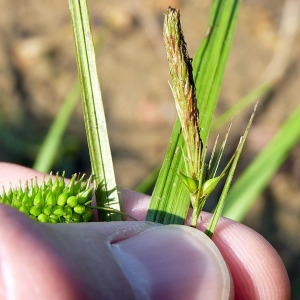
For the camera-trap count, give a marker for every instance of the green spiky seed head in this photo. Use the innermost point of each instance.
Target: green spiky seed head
(53, 201)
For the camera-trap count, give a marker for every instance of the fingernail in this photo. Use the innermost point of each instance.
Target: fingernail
(174, 262)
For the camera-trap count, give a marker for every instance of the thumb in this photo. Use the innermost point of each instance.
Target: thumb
(174, 262)
(116, 260)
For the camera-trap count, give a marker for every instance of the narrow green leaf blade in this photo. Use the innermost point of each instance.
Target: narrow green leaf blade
(170, 200)
(210, 61)
(46, 156)
(218, 211)
(252, 97)
(256, 177)
(218, 160)
(102, 167)
(148, 182)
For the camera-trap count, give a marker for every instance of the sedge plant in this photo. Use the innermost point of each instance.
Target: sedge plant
(186, 178)
(199, 178)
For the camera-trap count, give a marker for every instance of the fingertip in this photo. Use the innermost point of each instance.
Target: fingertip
(256, 268)
(30, 266)
(174, 262)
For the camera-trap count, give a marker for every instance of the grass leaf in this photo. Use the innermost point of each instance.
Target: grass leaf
(210, 61)
(252, 97)
(219, 208)
(107, 195)
(48, 151)
(257, 175)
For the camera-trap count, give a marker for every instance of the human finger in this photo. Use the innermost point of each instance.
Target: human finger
(256, 268)
(115, 260)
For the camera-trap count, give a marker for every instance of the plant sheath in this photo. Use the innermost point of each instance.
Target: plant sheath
(107, 195)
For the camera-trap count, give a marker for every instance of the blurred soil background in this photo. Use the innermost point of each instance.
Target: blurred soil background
(38, 68)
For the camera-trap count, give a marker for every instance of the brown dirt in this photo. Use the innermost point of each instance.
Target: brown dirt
(37, 68)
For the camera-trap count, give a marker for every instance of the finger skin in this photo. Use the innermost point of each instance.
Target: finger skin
(256, 268)
(47, 261)
(115, 260)
(175, 262)
(27, 248)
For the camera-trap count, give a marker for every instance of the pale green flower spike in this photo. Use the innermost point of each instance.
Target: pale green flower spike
(53, 201)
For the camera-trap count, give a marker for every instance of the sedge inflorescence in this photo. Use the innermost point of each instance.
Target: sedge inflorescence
(53, 200)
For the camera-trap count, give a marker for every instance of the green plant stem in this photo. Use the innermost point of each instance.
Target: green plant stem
(107, 195)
